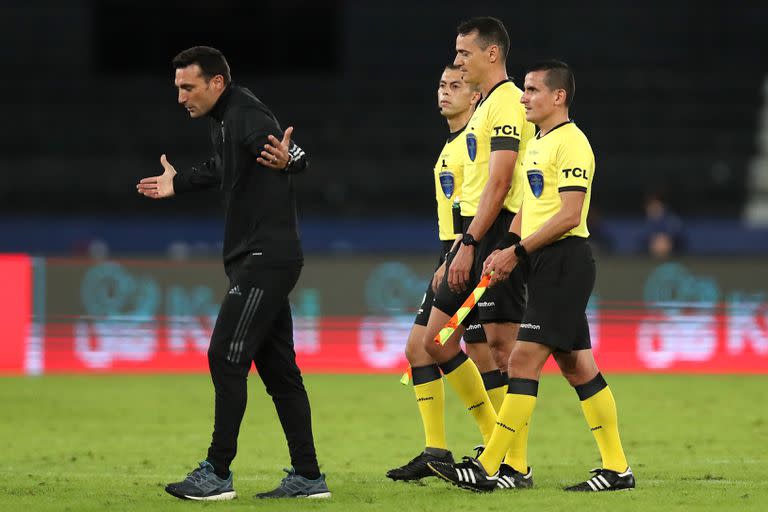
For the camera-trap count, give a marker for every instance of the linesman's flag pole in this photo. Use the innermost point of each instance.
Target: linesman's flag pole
(461, 314)
(458, 317)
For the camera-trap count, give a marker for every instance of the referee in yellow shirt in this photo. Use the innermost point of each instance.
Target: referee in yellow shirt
(559, 166)
(456, 101)
(491, 195)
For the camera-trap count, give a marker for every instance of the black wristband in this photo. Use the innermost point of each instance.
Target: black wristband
(468, 239)
(521, 252)
(508, 240)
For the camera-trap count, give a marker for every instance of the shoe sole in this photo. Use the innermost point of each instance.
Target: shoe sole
(225, 496)
(619, 489)
(459, 484)
(515, 488)
(317, 496)
(414, 479)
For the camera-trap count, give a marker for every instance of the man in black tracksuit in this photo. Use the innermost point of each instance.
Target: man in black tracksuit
(262, 259)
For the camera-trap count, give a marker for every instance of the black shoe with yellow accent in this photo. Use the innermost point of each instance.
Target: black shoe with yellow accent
(468, 474)
(416, 468)
(606, 480)
(510, 478)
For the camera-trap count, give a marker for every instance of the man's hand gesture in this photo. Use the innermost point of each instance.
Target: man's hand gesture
(277, 154)
(158, 187)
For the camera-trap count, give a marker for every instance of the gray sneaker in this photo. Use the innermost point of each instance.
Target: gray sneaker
(296, 486)
(202, 484)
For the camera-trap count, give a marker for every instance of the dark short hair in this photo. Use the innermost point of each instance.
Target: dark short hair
(559, 76)
(454, 67)
(489, 31)
(211, 61)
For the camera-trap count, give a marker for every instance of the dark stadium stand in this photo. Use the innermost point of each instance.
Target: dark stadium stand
(671, 102)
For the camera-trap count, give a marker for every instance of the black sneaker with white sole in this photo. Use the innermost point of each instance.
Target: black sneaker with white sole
(202, 484)
(510, 478)
(416, 468)
(468, 474)
(606, 480)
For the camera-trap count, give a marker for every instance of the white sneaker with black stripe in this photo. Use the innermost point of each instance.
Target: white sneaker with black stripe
(468, 474)
(606, 480)
(510, 478)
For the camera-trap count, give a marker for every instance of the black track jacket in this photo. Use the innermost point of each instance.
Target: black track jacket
(260, 203)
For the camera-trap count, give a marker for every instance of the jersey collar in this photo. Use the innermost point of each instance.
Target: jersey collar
(493, 89)
(453, 135)
(538, 135)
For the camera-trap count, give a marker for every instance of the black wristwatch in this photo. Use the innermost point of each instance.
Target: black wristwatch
(468, 239)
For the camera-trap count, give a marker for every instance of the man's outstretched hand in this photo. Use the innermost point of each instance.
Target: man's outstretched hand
(158, 187)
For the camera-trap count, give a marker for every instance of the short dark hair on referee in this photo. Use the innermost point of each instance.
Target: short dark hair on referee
(210, 60)
(559, 76)
(489, 31)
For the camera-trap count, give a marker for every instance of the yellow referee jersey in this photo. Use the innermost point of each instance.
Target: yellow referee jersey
(498, 123)
(449, 176)
(560, 161)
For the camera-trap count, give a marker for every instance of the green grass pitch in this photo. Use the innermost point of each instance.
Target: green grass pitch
(111, 442)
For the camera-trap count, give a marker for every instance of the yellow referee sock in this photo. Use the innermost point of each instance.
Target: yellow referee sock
(515, 412)
(430, 397)
(464, 377)
(517, 455)
(600, 411)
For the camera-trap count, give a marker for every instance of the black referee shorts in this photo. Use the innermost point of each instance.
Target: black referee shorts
(560, 281)
(474, 332)
(504, 302)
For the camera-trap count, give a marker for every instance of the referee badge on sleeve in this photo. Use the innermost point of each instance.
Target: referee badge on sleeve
(471, 146)
(446, 183)
(536, 181)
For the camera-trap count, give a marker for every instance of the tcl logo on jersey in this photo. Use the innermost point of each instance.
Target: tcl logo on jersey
(576, 172)
(506, 130)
